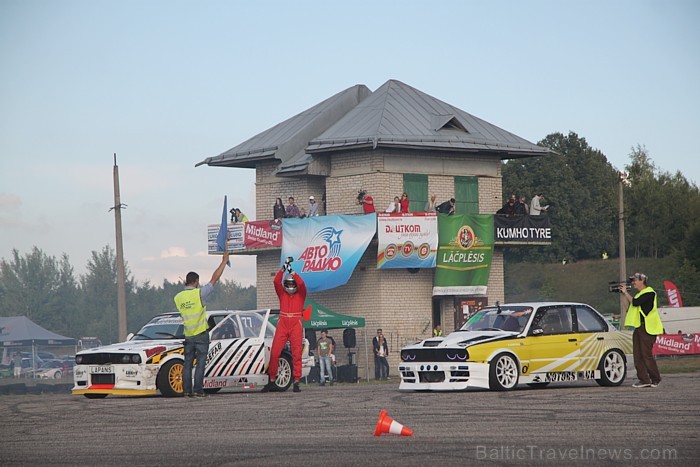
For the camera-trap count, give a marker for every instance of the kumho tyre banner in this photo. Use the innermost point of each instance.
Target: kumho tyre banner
(326, 249)
(465, 251)
(407, 240)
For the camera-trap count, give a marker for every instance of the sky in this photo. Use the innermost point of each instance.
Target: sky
(165, 84)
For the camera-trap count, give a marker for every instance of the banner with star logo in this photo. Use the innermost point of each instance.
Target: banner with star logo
(326, 249)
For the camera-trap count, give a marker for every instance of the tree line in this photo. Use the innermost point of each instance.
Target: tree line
(45, 289)
(661, 210)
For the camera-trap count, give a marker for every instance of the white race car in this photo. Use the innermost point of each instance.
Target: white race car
(152, 359)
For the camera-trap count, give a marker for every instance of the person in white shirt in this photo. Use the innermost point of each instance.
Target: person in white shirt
(394, 206)
(536, 207)
(313, 207)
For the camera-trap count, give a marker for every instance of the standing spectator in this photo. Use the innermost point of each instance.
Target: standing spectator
(381, 352)
(18, 364)
(366, 201)
(508, 209)
(431, 204)
(643, 315)
(521, 207)
(292, 209)
(313, 207)
(394, 206)
(324, 349)
(238, 216)
(190, 304)
(404, 203)
(278, 211)
(437, 332)
(291, 291)
(536, 207)
(448, 207)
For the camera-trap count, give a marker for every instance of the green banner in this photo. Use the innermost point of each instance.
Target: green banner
(465, 250)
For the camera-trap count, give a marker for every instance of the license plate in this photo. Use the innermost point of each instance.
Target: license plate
(101, 370)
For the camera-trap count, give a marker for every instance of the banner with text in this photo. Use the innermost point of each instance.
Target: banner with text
(326, 249)
(407, 240)
(465, 250)
(677, 344)
(247, 236)
(522, 230)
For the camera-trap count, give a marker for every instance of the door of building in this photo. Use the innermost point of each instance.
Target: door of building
(467, 306)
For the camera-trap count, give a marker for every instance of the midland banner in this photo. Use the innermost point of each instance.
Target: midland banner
(252, 235)
(464, 254)
(326, 249)
(407, 240)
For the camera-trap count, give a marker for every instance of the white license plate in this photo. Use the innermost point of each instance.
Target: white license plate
(101, 370)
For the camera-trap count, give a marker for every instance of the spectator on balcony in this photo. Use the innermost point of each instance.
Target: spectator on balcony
(366, 202)
(404, 203)
(278, 211)
(238, 216)
(313, 207)
(292, 209)
(448, 207)
(536, 207)
(521, 207)
(431, 204)
(394, 206)
(508, 209)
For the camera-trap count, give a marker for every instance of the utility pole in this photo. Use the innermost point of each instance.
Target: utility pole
(623, 177)
(121, 280)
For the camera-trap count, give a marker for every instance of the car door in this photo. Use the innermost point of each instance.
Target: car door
(552, 346)
(592, 330)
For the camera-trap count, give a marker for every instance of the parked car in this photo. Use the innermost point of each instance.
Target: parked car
(52, 369)
(152, 359)
(502, 346)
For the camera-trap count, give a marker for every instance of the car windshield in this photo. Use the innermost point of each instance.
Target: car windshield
(161, 327)
(507, 319)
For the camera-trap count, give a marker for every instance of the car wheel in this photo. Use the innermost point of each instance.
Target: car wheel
(538, 385)
(503, 373)
(95, 396)
(169, 380)
(58, 375)
(613, 368)
(284, 373)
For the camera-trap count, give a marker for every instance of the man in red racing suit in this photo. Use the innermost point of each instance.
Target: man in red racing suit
(291, 290)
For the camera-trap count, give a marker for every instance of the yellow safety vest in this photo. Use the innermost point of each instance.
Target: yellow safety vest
(193, 312)
(437, 333)
(652, 320)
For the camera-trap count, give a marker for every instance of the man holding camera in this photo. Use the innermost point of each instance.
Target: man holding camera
(291, 290)
(643, 315)
(366, 201)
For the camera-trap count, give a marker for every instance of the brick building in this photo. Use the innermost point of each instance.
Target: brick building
(393, 140)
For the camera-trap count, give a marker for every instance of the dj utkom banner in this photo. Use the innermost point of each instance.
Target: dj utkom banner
(407, 240)
(326, 249)
(464, 254)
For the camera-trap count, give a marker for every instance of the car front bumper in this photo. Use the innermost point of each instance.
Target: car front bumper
(129, 379)
(443, 376)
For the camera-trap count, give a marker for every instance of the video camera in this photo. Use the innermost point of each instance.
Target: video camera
(614, 286)
(361, 195)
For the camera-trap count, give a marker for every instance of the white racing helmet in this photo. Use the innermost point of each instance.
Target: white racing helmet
(290, 284)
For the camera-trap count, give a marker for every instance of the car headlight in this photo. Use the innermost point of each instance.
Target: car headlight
(78, 359)
(131, 358)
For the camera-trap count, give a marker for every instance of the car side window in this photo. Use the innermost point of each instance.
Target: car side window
(589, 321)
(555, 320)
(226, 329)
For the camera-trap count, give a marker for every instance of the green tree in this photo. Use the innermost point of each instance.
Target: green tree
(579, 185)
(39, 287)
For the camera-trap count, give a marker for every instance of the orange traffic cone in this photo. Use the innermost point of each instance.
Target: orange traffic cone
(386, 424)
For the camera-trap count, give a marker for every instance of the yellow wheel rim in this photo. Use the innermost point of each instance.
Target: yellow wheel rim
(175, 377)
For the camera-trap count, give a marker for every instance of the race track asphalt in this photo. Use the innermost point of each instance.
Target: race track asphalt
(572, 424)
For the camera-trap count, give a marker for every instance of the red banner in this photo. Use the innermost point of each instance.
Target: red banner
(673, 295)
(677, 344)
(263, 234)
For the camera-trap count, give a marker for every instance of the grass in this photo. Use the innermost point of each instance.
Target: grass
(678, 364)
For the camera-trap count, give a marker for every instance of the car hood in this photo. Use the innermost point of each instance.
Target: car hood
(134, 346)
(462, 339)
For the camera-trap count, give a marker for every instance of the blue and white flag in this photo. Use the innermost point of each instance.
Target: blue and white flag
(222, 236)
(326, 249)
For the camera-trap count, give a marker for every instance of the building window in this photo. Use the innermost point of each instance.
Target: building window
(416, 187)
(467, 195)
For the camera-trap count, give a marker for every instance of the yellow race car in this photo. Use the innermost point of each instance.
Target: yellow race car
(530, 343)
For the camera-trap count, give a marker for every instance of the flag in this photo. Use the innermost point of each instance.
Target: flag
(222, 237)
(673, 295)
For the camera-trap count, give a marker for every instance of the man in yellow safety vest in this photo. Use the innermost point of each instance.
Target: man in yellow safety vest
(643, 315)
(190, 304)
